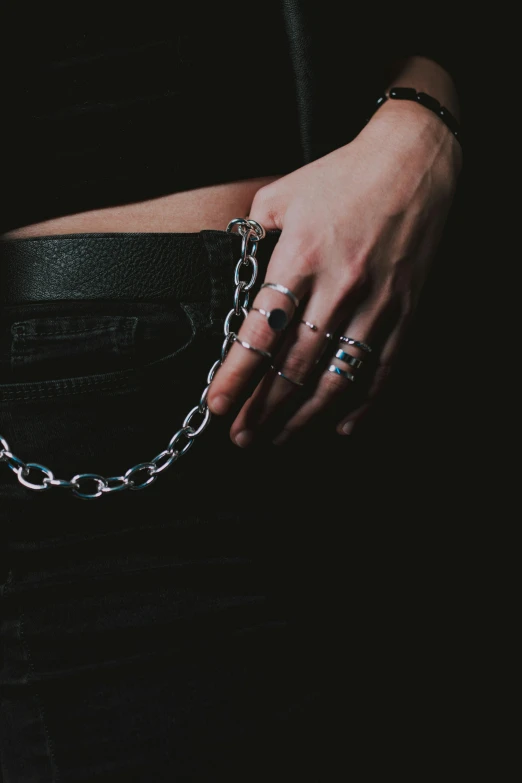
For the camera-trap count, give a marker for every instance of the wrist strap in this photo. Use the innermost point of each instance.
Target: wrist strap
(410, 94)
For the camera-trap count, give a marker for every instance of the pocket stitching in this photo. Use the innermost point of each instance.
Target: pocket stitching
(22, 346)
(32, 391)
(39, 391)
(127, 323)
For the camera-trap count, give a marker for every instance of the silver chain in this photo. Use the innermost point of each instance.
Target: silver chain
(195, 422)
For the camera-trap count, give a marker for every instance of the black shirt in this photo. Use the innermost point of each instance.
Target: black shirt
(114, 108)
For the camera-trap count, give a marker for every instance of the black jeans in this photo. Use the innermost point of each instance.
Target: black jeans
(265, 614)
(178, 632)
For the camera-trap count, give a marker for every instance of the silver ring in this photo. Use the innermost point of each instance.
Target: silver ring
(277, 319)
(291, 380)
(249, 347)
(357, 343)
(310, 325)
(342, 373)
(283, 290)
(348, 358)
(329, 336)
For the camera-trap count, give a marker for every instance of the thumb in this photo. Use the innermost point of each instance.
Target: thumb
(266, 207)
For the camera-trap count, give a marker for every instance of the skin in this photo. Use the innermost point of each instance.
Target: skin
(359, 230)
(191, 210)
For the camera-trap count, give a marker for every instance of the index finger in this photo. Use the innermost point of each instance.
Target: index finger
(276, 303)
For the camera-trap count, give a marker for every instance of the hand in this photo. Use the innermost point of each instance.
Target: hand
(359, 229)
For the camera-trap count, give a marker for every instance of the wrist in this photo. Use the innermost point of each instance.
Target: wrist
(410, 111)
(408, 122)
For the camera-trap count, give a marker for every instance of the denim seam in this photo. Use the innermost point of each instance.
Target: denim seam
(4, 586)
(213, 287)
(22, 347)
(218, 288)
(84, 385)
(41, 712)
(63, 389)
(128, 323)
(7, 588)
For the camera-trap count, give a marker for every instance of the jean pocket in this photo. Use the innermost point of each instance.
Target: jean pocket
(43, 347)
(61, 349)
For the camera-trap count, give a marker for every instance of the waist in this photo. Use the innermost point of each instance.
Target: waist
(185, 211)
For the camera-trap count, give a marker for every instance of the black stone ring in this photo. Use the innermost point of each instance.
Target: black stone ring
(276, 319)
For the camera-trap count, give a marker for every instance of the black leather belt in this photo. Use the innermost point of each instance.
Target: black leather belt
(119, 266)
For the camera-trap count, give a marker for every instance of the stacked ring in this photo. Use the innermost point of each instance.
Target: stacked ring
(291, 380)
(283, 290)
(347, 358)
(249, 347)
(356, 343)
(310, 325)
(343, 373)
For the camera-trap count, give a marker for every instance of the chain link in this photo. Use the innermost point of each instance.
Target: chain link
(91, 485)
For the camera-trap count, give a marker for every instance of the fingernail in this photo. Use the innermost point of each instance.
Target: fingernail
(348, 427)
(281, 438)
(244, 438)
(220, 405)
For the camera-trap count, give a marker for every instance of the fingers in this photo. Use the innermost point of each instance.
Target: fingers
(292, 367)
(291, 362)
(377, 386)
(347, 425)
(335, 382)
(336, 385)
(277, 301)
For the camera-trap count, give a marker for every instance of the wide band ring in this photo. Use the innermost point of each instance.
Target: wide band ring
(290, 380)
(348, 358)
(283, 290)
(277, 319)
(249, 347)
(343, 373)
(356, 343)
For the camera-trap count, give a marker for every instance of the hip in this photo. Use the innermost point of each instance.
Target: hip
(106, 347)
(185, 211)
